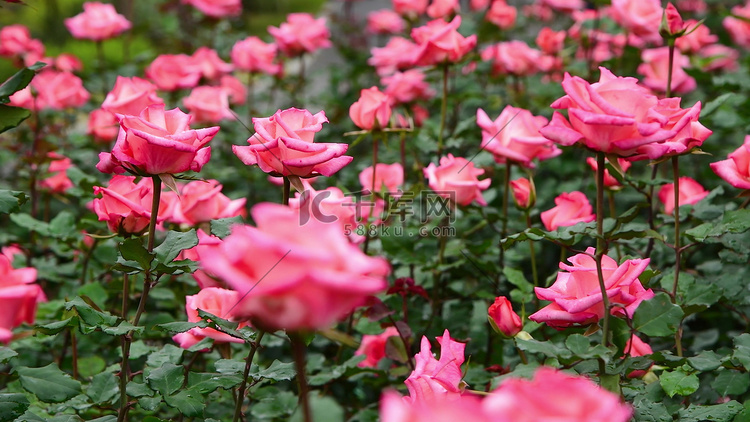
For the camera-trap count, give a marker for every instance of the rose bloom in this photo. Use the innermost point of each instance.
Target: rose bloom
(255, 56)
(304, 286)
(524, 193)
(171, 72)
(736, 169)
(67, 62)
(636, 347)
(103, 126)
(718, 57)
(576, 296)
(385, 22)
(301, 33)
(538, 11)
(738, 26)
(692, 6)
(458, 176)
(373, 347)
(501, 14)
(205, 241)
(434, 380)
(606, 114)
(208, 104)
(553, 395)
(126, 205)
(209, 64)
(477, 5)
(16, 41)
(388, 177)
(99, 21)
(641, 18)
(19, 297)
(58, 181)
(514, 136)
(696, 37)
(516, 58)
(655, 68)
(55, 90)
(217, 8)
(691, 192)
(202, 201)
(131, 96)
(439, 9)
(397, 54)
(372, 110)
(503, 319)
(158, 142)
(329, 206)
(439, 42)
(410, 8)
(283, 146)
(570, 209)
(609, 181)
(405, 87)
(466, 408)
(550, 41)
(215, 301)
(235, 89)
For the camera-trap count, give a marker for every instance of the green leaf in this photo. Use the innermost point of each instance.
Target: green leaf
(188, 402)
(323, 408)
(226, 326)
(30, 223)
(277, 371)
(679, 382)
(88, 366)
(731, 382)
(150, 403)
(103, 388)
(223, 226)
(7, 354)
(55, 327)
(11, 200)
(18, 81)
(181, 327)
(167, 379)
(11, 117)
(205, 383)
(336, 372)
(49, 383)
(544, 347)
(277, 405)
(137, 389)
(229, 366)
(174, 244)
(63, 225)
(658, 316)
(742, 349)
(717, 102)
(706, 360)
(716, 413)
(736, 221)
(12, 406)
(133, 250)
(649, 411)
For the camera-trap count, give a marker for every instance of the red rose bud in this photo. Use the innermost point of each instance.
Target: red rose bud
(672, 25)
(502, 318)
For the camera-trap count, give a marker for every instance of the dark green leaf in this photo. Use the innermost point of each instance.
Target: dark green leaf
(49, 383)
(174, 244)
(205, 383)
(278, 405)
(730, 382)
(323, 408)
(679, 382)
(7, 354)
(188, 402)
(716, 413)
(167, 379)
(658, 316)
(11, 117)
(706, 360)
(229, 366)
(277, 371)
(88, 366)
(12, 406)
(150, 403)
(335, 372)
(181, 327)
(223, 226)
(742, 349)
(136, 389)
(717, 102)
(544, 347)
(167, 354)
(133, 250)
(18, 81)
(737, 221)
(103, 388)
(11, 200)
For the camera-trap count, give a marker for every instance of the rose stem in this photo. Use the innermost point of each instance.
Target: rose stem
(504, 231)
(287, 189)
(534, 272)
(403, 157)
(601, 248)
(373, 191)
(248, 363)
(298, 349)
(443, 109)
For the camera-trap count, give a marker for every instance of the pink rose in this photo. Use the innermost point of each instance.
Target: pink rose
(477, 5)
(388, 177)
(738, 26)
(209, 64)
(19, 303)
(99, 21)
(202, 201)
(397, 54)
(372, 110)
(158, 142)
(301, 33)
(655, 68)
(171, 72)
(16, 41)
(550, 41)
(570, 209)
(394, 408)
(287, 280)
(439, 42)
(373, 347)
(215, 301)
(55, 90)
(502, 318)
(697, 37)
(641, 18)
(538, 10)
(58, 181)
(576, 296)
(208, 104)
(410, 8)
(255, 56)
(609, 180)
(66, 62)
(691, 192)
(524, 193)
(456, 179)
(283, 146)
(636, 347)
(516, 58)
(439, 9)
(672, 26)
(217, 8)
(385, 22)
(564, 6)
(125, 205)
(433, 380)
(405, 87)
(736, 169)
(103, 126)
(606, 114)
(329, 206)
(718, 57)
(501, 14)
(692, 6)
(553, 395)
(514, 136)
(234, 88)
(202, 277)
(131, 96)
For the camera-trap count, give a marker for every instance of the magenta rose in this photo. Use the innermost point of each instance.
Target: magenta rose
(171, 72)
(433, 380)
(385, 22)
(410, 8)
(456, 179)
(736, 169)
(388, 177)
(205, 241)
(158, 142)
(57, 181)
(501, 14)
(216, 301)
(330, 206)
(283, 146)
(516, 58)
(738, 26)
(209, 64)
(570, 209)
(126, 205)
(576, 296)
(393, 408)
(524, 193)
(503, 319)
(103, 126)
(99, 21)
(514, 136)
(131, 96)
(439, 9)
(397, 54)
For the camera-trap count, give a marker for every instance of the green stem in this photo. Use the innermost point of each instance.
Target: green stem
(677, 251)
(504, 230)
(601, 244)
(670, 66)
(124, 366)
(443, 109)
(248, 363)
(298, 349)
(373, 194)
(613, 214)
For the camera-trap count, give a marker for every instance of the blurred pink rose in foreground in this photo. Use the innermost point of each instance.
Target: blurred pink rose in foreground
(570, 209)
(131, 96)
(301, 33)
(433, 380)
(217, 8)
(329, 206)
(466, 408)
(514, 137)
(456, 179)
(372, 110)
(440, 42)
(576, 296)
(287, 280)
(736, 169)
(373, 347)
(691, 192)
(255, 56)
(99, 21)
(205, 241)
(215, 301)
(208, 104)
(126, 205)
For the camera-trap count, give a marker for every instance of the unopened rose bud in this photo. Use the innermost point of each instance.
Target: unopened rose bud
(672, 25)
(502, 318)
(524, 193)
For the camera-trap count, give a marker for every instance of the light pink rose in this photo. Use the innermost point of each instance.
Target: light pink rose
(514, 136)
(502, 317)
(738, 26)
(655, 68)
(564, 6)
(641, 18)
(550, 41)
(202, 277)
(372, 110)
(477, 5)
(691, 192)
(433, 380)
(467, 408)
(171, 72)
(692, 6)
(209, 64)
(609, 180)
(607, 114)
(397, 54)
(329, 206)
(158, 142)
(234, 88)
(217, 8)
(103, 126)
(456, 179)
(718, 57)
(126, 205)
(16, 41)
(410, 8)
(524, 193)
(58, 181)
(208, 104)
(385, 22)
(55, 90)
(19, 303)
(440, 42)
(553, 395)
(576, 296)
(131, 96)
(636, 347)
(516, 58)
(301, 33)
(501, 14)
(405, 87)
(287, 280)
(373, 347)
(202, 201)
(736, 169)
(99, 21)
(695, 39)
(255, 56)
(67, 62)
(388, 177)
(439, 9)
(570, 209)
(283, 145)
(216, 301)
(538, 11)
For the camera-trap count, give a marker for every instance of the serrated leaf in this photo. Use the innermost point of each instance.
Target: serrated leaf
(730, 382)
(188, 402)
(678, 382)
(174, 244)
(49, 383)
(167, 379)
(544, 347)
(11, 201)
(12, 406)
(223, 226)
(133, 250)
(7, 354)
(137, 389)
(229, 366)
(150, 403)
(277, 371)
(181, 326)
(658, 316)
(715, 413)
(742, 349)
(205, 383)
(706, 360)
(103, 388)
(167, 354)
(736, 221)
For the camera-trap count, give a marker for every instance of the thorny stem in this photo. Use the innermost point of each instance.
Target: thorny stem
(248, 363)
